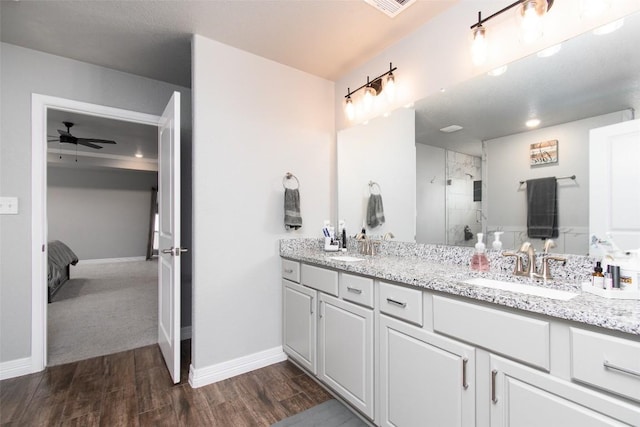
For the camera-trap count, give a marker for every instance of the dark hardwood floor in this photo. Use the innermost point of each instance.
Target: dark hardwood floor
(133, 388)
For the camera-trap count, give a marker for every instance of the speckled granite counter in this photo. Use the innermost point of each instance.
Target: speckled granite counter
(444, 269)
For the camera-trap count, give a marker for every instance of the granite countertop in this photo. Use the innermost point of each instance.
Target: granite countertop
(440, 270)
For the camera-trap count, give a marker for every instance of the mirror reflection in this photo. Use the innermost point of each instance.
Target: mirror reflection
(472, 147)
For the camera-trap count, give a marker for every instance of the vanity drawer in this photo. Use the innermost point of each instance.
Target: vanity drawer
(356, 289)
(515, 336)
(609, 363)
(291, 270)
(321, 279)
(403, 303)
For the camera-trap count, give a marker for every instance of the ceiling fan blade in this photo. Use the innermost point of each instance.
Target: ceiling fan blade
(88, 144)
(99, 141)
(64, 133)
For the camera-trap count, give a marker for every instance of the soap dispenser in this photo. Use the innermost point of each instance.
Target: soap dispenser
(497, 244)
(479, 260)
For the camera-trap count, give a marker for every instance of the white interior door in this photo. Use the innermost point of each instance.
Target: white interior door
(614, 183)
(169, 236)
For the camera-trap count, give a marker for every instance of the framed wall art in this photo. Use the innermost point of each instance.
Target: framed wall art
(543, 153)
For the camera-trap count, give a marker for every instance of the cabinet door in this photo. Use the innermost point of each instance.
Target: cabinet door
(345, 347)
(299, 324)
(425, 379)
(522, 396)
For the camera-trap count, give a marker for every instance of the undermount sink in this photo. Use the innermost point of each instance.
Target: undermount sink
(522, 288)
(346, 258)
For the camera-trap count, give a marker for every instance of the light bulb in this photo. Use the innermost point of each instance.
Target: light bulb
(479, 45)
(390, 87)
(349, 109)
(531, 21)
(368, 97)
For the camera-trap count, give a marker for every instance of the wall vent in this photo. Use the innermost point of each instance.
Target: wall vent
(390, 7)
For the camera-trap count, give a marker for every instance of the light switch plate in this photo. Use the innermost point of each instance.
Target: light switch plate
(8, 205)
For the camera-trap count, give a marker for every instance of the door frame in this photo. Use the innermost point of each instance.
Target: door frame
(39, 108)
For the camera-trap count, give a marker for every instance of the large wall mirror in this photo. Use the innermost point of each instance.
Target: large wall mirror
(454, 167)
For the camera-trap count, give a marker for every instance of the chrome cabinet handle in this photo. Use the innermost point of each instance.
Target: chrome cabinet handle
(494, 374)
(311, 305)
(628, 371)
(465, 385)
(288, 270)
(354, 290)
(320, 313)
(397, 303)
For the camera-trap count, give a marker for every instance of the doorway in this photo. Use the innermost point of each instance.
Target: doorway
(98, 199)
(40, 107)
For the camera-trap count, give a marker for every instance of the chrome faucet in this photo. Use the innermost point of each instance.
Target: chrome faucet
(532, 269)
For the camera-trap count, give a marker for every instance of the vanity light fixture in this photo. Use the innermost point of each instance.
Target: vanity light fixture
(530, 13)
(372, 89)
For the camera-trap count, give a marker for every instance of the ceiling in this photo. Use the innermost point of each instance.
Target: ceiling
(326, 38)
(591, 75)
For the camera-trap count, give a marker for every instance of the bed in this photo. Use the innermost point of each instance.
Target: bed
(60, 257)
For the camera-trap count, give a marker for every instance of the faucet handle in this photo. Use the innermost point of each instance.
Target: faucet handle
(546, 271)
(518, 269)
(548, 244)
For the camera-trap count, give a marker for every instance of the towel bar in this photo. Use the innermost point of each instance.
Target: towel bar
(562, 177)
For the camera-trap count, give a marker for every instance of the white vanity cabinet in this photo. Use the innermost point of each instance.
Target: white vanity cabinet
(425, 379)
(524, 396)
(345, 351)
(299, 323)
(327, 334)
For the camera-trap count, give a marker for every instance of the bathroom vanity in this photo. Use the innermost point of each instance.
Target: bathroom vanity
(405, 341)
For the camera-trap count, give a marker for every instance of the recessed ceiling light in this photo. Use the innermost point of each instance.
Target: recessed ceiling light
(451, 128)
(545, 53)
(532, 123)
(139, 155)
(609, 28)
(498, 71)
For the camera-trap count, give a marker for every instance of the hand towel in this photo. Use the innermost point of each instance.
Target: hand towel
(375, 211)
(542, 208)
(292, 217)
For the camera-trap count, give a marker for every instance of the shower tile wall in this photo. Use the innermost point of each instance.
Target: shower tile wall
(462, 211)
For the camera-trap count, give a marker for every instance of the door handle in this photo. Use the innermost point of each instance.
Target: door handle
(179, 251)
(168, 251)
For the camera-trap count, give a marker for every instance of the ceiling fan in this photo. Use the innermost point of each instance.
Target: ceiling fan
(66, 137)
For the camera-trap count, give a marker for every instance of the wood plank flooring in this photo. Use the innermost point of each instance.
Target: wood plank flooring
(133, 388)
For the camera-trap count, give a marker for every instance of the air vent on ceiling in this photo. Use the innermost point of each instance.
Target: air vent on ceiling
(391, 7)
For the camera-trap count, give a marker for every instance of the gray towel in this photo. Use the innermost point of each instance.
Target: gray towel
(292, 217)
(542, 208)
(375, 211)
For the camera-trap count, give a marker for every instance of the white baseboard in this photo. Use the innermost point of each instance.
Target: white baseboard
(185, 333)
(110, 260)
(15, 368)
(211, 374)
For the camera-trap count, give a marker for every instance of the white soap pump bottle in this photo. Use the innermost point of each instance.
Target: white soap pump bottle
(497, 244)
(479, 260)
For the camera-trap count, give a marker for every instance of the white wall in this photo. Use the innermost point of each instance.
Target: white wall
(254, 121)
(507, 163)
(431, 182)
(23, 72)
(382, 151)
(437, 54)
(100, 213)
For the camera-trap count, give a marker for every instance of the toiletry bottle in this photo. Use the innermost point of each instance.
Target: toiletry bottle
(597, 278)
(608, 280)
(344, 240)
(497, 244)
(479, 260)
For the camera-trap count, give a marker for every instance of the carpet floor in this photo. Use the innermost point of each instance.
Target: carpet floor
(328, 414)
(103, 309)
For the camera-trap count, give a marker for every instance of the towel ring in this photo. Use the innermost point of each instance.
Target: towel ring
(288, 176)
(372, 185)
